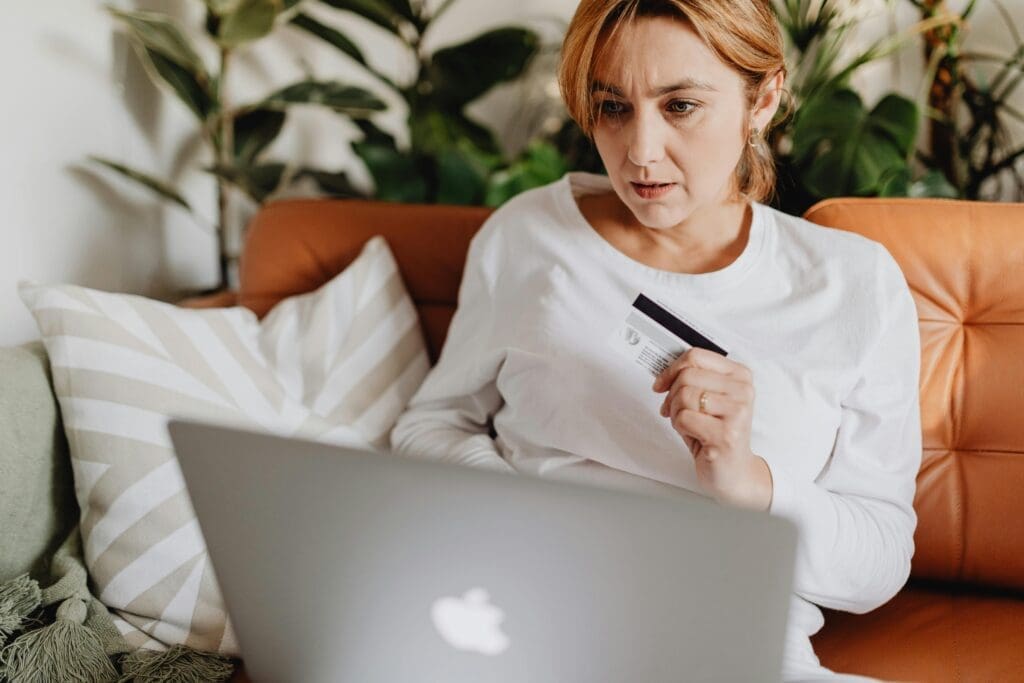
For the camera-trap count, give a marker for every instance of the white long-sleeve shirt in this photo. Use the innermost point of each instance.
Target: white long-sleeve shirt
(823, 318)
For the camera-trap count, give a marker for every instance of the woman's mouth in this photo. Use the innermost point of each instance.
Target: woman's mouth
(651, 190)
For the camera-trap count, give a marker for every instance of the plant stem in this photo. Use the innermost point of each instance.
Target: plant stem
(943, 94)
(225, 159)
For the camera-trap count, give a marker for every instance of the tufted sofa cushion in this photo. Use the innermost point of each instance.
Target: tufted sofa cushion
(964, 262)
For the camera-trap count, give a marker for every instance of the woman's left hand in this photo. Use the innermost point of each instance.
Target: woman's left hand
(718, 437)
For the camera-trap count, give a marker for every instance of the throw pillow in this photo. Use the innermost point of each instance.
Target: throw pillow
(338, 364)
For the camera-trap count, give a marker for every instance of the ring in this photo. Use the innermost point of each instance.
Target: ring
(703, 401)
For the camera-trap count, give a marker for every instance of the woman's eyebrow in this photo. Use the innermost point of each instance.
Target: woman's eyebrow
(685, 84)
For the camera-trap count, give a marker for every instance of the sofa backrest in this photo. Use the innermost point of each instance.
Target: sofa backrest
(294, 246)
(964, 262)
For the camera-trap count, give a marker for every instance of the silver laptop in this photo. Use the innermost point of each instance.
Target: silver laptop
(349, 565)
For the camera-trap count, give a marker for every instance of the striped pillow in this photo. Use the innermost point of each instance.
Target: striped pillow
(338, 364)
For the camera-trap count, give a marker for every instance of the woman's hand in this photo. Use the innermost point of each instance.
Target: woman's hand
(718, 437)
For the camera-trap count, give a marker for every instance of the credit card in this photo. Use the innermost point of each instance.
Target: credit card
(653, 335)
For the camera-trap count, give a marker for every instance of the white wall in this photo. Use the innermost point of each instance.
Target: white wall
(72, 87)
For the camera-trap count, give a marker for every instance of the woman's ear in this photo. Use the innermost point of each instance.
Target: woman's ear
(768, 99)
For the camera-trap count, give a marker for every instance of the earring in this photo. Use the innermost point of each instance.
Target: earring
(754, 137)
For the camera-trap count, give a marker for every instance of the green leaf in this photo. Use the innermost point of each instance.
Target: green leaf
(257, 181)
(842, 149)
(933, 184)
(462, 172)
(403, 9)
(459, 181)
(377, 11)
(462, 73)
(184, 84)
(212, 24)
(540, 164)
(163, 45)
(249, 20)
(330, 35)
(897, 117)
(221, 7)
(395, 174)
(334, 184)
(434, 131)
(823, 117)
(158, 33)
(254, 130)
(895, 183)
(346, 99)
(156, 185)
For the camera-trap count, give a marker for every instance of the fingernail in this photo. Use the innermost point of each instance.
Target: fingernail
(657, 381)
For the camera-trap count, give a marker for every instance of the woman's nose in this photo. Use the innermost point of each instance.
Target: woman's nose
(646, 140)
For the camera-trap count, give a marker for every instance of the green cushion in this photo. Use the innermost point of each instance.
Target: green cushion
(37, 495)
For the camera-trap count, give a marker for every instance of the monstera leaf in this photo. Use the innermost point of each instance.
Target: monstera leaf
(841, 148)
(462, 73)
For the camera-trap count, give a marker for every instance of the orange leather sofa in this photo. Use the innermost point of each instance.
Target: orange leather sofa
(961, 615)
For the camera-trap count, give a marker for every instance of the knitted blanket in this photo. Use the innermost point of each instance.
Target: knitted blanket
(63, 633)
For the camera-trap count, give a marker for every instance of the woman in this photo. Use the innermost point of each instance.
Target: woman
(812, 414)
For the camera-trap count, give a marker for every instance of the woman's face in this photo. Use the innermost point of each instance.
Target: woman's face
(669, 112)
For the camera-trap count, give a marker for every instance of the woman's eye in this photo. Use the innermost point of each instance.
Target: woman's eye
(681, 107)
(611, 107)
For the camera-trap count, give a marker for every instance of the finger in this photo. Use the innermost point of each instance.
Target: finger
(708, 380)
(715, 404)
(697, 425)
(705, 358)
(663, 380)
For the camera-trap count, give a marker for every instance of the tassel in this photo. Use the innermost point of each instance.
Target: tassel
(63, 651)
(179, 664)
(18, 597)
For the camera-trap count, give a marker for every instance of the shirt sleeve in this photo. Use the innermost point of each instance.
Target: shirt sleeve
(856, 521)
(448, 418)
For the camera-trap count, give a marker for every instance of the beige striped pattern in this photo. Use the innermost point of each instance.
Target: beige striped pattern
(338, 364)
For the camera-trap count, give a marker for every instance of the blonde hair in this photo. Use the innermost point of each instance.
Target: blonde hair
(744, 34)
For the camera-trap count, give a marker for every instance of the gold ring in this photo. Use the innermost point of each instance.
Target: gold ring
(703, 401)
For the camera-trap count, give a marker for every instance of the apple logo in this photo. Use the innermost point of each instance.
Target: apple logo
(470, 623)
